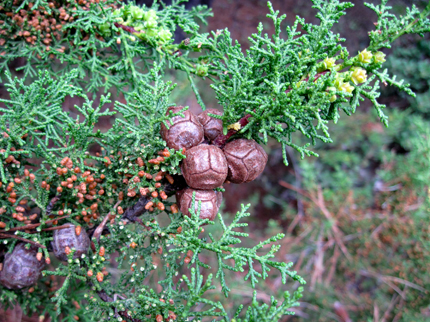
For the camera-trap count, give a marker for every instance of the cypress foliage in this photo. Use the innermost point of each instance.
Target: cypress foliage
(297, 80)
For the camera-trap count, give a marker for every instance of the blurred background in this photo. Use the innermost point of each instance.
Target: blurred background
(356, 219)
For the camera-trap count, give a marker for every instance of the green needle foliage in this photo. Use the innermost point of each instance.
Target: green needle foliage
(147, 261)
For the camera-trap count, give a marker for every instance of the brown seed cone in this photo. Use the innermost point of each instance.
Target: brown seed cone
(67, 237)
(183, 132)
(246, 160)
(212, 126)
(205, 167)
(210, 202)
(21, 267)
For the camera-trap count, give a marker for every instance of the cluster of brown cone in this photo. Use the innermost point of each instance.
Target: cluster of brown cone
(208, 166)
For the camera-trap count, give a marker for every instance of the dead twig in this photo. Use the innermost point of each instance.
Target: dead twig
(336, 231)
(375, 312)
(5, 236)
(33, 226)
(56, 227)
(341, 312)
(399, 308)
(318, 271)
(393, 303)
(319, 202)
(332, 269)
(387, 278)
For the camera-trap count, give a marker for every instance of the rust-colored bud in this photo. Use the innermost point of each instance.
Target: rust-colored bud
(21, 267)
(140, 162)
(212, 127)
(100, 277)
(19, 209)
(149, 205)
(160, 206)
(170, 178)
(108, 162)
(67, 250)
(210, 202)
(67, 237)
(174, 209)
(205, 167)
(78, 230)
(183, 132)
(246, 160)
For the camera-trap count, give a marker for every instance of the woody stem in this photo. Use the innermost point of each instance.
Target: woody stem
(222, 139)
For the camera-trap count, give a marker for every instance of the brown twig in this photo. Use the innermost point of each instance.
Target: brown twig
(375, 312)
(140, 221)
(126, 28)
(4, 236)
(318, 259)
(221, 140)
(341, 312)
(290, 186)
(33, 226)
(51, 204)
(400, 309)
(336, 231)
(393, 303)
(386, 279)
(99, 230)
(56, 227)
(137, 209)
(332, 269)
